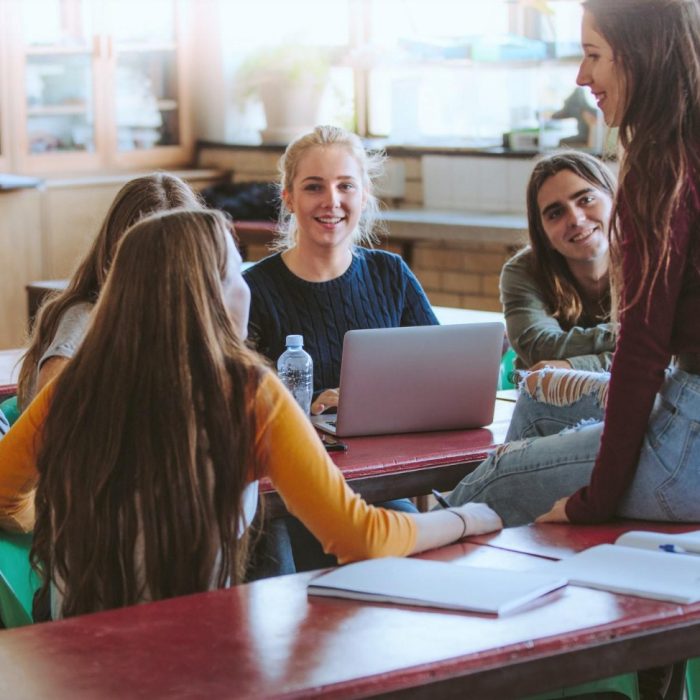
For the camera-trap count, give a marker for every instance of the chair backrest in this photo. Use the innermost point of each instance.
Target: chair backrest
(505, 378)
(18, 581)
(7, 391)
(692, 679)
(10, 409)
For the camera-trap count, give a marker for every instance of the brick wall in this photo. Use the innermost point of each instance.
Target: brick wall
(461, 274)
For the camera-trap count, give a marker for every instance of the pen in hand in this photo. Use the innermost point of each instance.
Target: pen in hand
(440, 499)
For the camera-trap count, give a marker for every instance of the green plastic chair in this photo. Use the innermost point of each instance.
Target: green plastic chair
(10, 409)
(507, 368)
(18, 581)
(625, 685)
(692, 679)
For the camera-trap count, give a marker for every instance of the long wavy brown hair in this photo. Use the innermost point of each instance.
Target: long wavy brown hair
(549, 266)
(148, 443)
(657, 45)
(136, 199)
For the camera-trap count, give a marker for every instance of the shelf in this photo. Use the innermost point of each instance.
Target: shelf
(57, 110)
(168, 105)
(157, 47)
(55, 50)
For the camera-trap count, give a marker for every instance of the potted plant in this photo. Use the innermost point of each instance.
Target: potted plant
(289, 80)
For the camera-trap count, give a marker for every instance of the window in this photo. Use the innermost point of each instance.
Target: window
(467, 71)
(304, 36)
(422, 72)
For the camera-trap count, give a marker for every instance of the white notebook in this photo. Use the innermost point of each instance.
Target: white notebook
(435, 584)
(645, 564)
(686, 542)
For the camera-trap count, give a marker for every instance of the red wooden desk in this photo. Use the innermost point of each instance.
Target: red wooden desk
(559, 541)
(268, 639)
(384, 467)
(9, 371)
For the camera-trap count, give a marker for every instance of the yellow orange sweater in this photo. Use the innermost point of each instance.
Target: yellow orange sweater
(287, 450)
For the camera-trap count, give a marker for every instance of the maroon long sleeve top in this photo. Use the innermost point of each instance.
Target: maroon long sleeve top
(664, 322)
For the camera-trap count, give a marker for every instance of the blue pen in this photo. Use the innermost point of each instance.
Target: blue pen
(440, 499)
(672, 548)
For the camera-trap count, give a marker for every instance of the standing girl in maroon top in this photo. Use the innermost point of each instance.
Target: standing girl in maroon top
(642, 64)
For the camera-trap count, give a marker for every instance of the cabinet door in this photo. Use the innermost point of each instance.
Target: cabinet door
(58, 56)
(150, 125)
(98, 83)
(4, 96)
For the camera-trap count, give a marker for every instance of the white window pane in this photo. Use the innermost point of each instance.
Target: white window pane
(249, 25)
(456, 70)
(141, 21)
(58, 23)
(287, 44)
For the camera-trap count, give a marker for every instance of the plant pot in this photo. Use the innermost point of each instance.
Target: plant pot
(291, 108)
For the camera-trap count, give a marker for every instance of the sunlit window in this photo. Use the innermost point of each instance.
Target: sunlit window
(468, 71)
(422, 72)
(306, 43)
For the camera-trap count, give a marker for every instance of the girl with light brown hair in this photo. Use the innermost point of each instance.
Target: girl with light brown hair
(146, 451)
(62, 320)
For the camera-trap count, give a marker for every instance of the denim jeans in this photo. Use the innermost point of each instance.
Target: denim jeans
(522, 479)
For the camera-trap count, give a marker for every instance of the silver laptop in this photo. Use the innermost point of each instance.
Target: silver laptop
(414, 379)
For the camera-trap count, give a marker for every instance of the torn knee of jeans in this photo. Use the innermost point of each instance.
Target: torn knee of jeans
(560, 387)
(507, 447)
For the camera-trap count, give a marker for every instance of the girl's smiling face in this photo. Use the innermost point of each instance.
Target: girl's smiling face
(327, 196)
(601, 73)
(575, 216)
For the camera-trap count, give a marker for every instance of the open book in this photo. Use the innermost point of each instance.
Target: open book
(646, 564)
(435, 584)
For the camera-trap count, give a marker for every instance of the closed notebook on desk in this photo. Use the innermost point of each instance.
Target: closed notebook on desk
(435, 584)
(416, 379)
(641, 567)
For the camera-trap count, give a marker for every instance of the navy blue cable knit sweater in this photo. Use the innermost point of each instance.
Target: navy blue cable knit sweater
(377, 291)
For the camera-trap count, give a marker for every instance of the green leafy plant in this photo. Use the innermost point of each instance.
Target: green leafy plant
(289, 63)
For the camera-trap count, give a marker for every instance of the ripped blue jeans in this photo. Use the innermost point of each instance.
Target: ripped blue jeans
(559, 400)
(556, 437)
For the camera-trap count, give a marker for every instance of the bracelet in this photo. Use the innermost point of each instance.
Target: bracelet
(464, 523)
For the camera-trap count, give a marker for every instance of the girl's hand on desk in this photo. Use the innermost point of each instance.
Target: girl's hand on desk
(326, 399)
(557, 514)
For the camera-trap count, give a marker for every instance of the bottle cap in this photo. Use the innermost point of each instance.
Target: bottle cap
(295, 341)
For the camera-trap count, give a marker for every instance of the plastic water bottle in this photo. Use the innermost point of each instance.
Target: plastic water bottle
(296, 370)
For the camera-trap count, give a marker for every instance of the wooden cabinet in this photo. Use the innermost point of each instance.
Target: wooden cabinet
(45, 230)
(73, 210)
(97, 84)
(4, 98)
(20, 251)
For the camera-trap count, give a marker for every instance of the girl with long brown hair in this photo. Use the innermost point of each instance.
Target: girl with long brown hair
(148, 447)
(61, 322)
(556, 291)
(642, 63)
